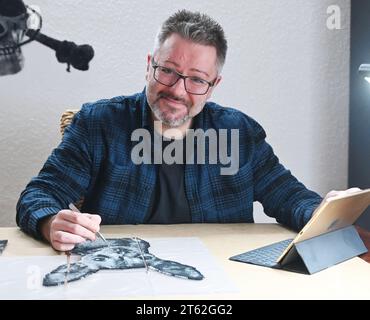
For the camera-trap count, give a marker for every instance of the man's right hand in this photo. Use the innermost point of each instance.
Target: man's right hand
(67, 228)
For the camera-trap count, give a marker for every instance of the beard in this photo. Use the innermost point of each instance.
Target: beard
(165, 117)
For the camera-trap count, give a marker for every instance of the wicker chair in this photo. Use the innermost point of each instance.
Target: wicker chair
(65, 121)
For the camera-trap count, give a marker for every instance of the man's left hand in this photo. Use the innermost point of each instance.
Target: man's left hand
(364, 234)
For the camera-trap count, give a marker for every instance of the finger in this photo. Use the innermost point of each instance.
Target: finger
(352, 190)
(93, 217)
(62, 246)
(79, 218)
(332, 193)
(335, 193)
(72, 228)
(66, 237)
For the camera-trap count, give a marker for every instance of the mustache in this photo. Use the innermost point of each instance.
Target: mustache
(167, 95)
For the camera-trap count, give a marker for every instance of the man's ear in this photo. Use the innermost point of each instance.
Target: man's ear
(210, 91)
(218, 80)
(149, 57)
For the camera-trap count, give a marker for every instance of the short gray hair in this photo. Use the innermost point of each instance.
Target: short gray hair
(196, 27)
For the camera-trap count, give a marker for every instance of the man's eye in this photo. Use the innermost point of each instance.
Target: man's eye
(198, 81)
(166, 70)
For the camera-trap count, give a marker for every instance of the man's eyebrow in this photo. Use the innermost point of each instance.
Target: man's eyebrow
(192, 69)
(197, 70)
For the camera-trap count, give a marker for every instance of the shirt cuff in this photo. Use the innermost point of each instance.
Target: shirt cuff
(37, 216)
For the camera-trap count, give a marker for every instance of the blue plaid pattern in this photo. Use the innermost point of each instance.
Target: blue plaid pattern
(94, 161)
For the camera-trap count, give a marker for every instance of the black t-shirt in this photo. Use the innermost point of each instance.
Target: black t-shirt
(168, 201)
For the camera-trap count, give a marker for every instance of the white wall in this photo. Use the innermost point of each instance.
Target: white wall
(284, 67)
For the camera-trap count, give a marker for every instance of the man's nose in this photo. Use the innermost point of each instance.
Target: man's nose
(178, 89)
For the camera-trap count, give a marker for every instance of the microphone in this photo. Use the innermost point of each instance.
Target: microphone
(68, 52)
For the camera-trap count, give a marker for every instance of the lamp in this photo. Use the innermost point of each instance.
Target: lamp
(364, 70)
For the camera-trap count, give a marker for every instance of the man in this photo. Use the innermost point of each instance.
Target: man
(98, 159)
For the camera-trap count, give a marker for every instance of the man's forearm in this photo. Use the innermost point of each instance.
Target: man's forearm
(35, 205)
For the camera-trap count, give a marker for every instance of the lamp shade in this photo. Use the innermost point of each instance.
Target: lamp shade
(364, 70)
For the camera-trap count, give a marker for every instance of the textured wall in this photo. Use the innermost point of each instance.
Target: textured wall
(284, 67)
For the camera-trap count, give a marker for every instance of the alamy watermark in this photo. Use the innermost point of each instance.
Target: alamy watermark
(34, 278)
(223, 147)
(333, 22)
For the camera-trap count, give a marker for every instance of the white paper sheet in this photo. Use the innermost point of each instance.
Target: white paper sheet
(21, 277)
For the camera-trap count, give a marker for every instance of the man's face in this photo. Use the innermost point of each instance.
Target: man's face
(174, 106)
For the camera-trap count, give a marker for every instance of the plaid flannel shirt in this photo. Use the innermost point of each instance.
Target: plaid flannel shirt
(93, 161)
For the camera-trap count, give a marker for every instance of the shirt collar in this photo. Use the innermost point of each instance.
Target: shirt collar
(146, 119)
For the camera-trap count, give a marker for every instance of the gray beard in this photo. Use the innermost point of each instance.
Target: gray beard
(170, 123)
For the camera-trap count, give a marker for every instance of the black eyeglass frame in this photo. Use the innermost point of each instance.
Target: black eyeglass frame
(155, 66)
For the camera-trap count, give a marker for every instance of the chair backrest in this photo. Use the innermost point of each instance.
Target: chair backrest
(66, 119)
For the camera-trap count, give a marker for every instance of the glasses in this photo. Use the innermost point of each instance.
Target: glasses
(169, 77)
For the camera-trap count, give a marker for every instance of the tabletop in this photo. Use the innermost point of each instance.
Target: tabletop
(347, 280)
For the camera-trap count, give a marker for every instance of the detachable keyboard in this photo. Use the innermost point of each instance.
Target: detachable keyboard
(264, 256)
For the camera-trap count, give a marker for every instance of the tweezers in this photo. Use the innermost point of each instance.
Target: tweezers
(68, 254)
(73, 208)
